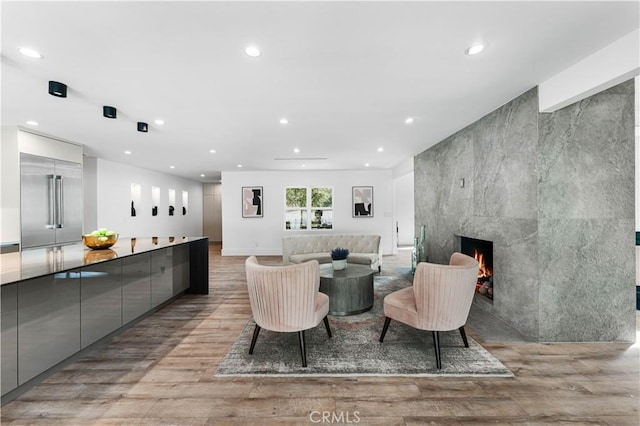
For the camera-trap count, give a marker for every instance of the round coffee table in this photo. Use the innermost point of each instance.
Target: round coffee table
(350, 290)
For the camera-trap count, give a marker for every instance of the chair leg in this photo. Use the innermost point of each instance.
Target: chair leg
(326, 325)
(387, 321)
(256, 331)
(303, 348)
(436, 344)
(464, 337)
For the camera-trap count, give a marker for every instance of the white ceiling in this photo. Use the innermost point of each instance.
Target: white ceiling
(345, 75)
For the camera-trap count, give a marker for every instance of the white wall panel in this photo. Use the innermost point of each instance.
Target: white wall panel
(263, 236)
(114, 202)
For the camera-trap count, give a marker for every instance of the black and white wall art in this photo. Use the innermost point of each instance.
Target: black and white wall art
(362, 204)
(252, 201)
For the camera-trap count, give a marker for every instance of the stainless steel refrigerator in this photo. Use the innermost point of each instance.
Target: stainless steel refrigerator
(51, 201)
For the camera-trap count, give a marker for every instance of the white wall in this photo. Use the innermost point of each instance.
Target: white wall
(90, 194)
(113, 206)
(404, 202)
(263, 236)
(606, 68)
(9, 187)
(637, 81)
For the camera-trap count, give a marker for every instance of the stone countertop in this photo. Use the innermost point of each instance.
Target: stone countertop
(36, 262)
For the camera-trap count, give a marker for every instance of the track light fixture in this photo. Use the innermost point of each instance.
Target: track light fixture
(109, 112)
(57, 89)
(143, 127)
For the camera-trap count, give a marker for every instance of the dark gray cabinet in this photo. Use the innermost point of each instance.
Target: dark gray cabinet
(101, 300)
(136, 286)
(49, 318)
(161, 275)
(180, 269)
(9, 343)
(48, 322)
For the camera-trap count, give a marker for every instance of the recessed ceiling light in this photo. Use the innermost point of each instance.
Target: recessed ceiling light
(202, 175)
(252, 51)
(409, 120)
(239, 166)
(159, 121)
(127, 152)
(366, 164)
(304, 165)
(30, 53)
(296, 150)
(172, 167)
(284, 121)
(32, 123)
(213, 151)
(475, 49)
(380, 149)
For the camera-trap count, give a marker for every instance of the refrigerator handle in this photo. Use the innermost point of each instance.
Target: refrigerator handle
(51, 223)
(59, 202)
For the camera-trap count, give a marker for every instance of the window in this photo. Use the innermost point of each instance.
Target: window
(308, 208)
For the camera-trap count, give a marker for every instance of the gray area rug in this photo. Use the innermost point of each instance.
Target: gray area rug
(354, 349)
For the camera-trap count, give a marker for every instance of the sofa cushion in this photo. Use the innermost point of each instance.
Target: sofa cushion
(320, 257)
(363, 258)
(355, 258)
(364, 249)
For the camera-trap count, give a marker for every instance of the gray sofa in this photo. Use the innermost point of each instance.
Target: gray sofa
(363, 249)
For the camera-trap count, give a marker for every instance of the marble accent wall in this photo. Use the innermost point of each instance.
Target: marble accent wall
(554, 192)
(586, 219)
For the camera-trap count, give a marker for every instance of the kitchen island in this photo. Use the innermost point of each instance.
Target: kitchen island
(58, 301)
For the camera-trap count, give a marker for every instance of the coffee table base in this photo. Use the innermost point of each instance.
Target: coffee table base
(350, 291)
(344, 314)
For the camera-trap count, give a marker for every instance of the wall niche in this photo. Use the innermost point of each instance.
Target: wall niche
(136, 196)
(155, 200)
(172, 201)
(185, 202)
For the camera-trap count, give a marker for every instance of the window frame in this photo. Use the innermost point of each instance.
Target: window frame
(308, 211)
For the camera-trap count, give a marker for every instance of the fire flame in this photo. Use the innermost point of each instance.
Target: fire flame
(483, 272)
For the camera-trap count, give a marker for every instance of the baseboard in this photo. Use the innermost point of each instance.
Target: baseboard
(255, 251)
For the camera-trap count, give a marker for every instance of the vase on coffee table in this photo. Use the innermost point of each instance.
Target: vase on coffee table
(339, 265)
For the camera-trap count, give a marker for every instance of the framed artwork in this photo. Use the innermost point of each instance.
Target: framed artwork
(362, 201)
(252, 201)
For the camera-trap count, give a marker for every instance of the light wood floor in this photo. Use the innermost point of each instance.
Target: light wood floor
(161, 371)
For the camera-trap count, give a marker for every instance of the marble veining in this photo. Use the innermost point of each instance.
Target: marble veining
(555, 193)
(504, 153)
(585, 157)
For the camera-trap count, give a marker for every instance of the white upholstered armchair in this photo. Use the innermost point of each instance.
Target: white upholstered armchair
(439, 300)
(286, 299)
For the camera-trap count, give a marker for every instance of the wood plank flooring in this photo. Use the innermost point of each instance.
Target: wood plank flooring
(161, 372)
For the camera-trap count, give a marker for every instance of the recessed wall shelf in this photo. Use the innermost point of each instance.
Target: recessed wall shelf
(172, 201)
(136, 196)
(185, 202)
(155, 200)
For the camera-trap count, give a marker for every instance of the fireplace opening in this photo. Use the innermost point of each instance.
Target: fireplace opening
(482, 251)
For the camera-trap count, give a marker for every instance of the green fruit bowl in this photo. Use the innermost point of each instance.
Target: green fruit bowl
(99, 242)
